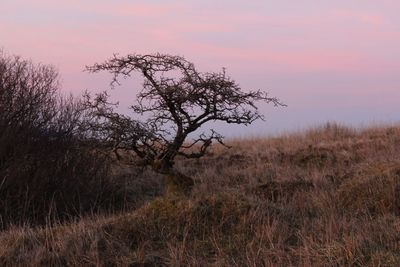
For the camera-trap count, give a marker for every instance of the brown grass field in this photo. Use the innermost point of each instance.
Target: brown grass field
(328, 196)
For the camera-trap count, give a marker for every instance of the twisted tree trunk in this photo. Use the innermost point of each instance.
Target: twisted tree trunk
(176, 183)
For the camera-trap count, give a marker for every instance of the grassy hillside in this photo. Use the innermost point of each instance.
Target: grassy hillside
(326, 197)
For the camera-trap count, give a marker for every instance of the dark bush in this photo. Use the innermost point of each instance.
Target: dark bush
(48, 172)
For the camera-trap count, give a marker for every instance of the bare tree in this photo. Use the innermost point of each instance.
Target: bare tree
(176, 100)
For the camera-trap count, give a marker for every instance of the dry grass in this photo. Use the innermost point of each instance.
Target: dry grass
(325, 197)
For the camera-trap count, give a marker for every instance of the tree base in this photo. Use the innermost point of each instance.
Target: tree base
(177, 183)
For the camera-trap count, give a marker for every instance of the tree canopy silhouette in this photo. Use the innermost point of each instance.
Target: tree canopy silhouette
(176, 101)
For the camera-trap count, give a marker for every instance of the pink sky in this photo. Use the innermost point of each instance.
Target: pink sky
(328, 60)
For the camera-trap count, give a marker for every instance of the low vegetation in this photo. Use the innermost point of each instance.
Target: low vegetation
(49, 171)
(328, 196)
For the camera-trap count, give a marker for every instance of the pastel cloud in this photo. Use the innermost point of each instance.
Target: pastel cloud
(370, 19)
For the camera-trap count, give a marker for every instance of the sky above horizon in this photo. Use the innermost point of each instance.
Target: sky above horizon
(327, 60)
